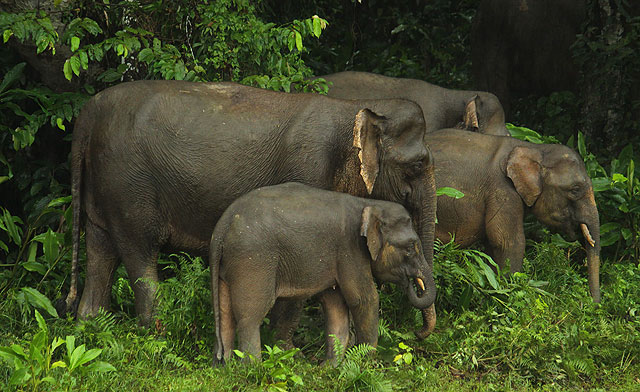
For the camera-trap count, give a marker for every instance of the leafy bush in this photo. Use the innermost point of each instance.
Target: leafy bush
(184, 311)
(34, 366)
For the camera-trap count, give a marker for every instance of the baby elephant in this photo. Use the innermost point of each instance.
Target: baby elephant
(295, 241)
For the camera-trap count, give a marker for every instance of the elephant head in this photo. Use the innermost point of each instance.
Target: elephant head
(483, 113)
(396, 165)
(553, 182)
(396, 253)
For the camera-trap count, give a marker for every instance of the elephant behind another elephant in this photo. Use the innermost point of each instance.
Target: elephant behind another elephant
(503, 178)
(443, 108)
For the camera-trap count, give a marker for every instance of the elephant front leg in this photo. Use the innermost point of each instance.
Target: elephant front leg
(505, 234)
(364, 310)
(506, 244)
(336, 316)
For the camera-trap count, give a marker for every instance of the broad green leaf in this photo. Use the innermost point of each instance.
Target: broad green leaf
(101, 367)
(582, 149)
(41, 323)
(59, 201)
(3, 245)
(19, 351)
(317, 26)
(57, 342)
(67, 69)
(6, 35)
(451, 192)
(291, 41)
(146, 55)
(60, 124)
(71, 344)
(75, 356)
(20, 376)
(8, 224)
(75, 64)
(298, 41)
(9, 355)
(38, 346)
(34, 266)
(75, 43)
(37, 299)
(48, 379)
(84, 59)
(110, 75)
(50, 246)
(617, 177)
(58, 364)
(88, 356)
(11, 76)
(491, 277)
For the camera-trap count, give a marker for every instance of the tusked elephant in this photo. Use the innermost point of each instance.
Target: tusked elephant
(294, 241)
(443, 108)
(504, 178)
(156, 163)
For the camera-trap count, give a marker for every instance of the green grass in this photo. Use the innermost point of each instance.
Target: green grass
(536, 331)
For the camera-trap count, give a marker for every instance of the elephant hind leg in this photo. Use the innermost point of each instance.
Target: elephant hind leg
(227, 323)
(139, 248)
(251, 299)
(102, 260)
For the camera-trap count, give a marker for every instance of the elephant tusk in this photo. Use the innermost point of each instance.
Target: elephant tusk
(420, 283)
(587, 235)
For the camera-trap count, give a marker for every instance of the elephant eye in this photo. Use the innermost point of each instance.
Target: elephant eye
(415, 169)
(576, 191)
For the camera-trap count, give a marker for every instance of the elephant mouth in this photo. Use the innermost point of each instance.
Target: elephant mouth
(420, 295)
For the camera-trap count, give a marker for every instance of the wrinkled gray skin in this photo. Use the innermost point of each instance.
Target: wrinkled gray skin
(504, 178)
(443, 108)
(294, 241)
(156, 163)
(523, 47)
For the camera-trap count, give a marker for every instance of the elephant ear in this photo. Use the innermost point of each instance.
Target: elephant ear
(524, 168)
(471, 114)
(370, 228)
(366, 137)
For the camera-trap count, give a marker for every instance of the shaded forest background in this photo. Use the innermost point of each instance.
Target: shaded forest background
(54, 55)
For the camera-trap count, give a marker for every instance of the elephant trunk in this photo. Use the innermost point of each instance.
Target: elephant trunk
(590, 227)
(591, 233)
(426, 231)
(427, 289)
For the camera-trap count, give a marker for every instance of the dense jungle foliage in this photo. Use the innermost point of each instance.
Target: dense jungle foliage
(535, 330)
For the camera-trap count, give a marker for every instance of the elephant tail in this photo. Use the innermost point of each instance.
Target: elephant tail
(215, 257)
(81, 135)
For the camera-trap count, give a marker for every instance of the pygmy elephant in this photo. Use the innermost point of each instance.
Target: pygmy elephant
(294, 241)
(503, 178)
(443, 108)
(156, 163)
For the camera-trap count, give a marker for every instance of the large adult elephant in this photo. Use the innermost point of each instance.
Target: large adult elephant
(156, 163)
(442, 107)
(504, 178)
